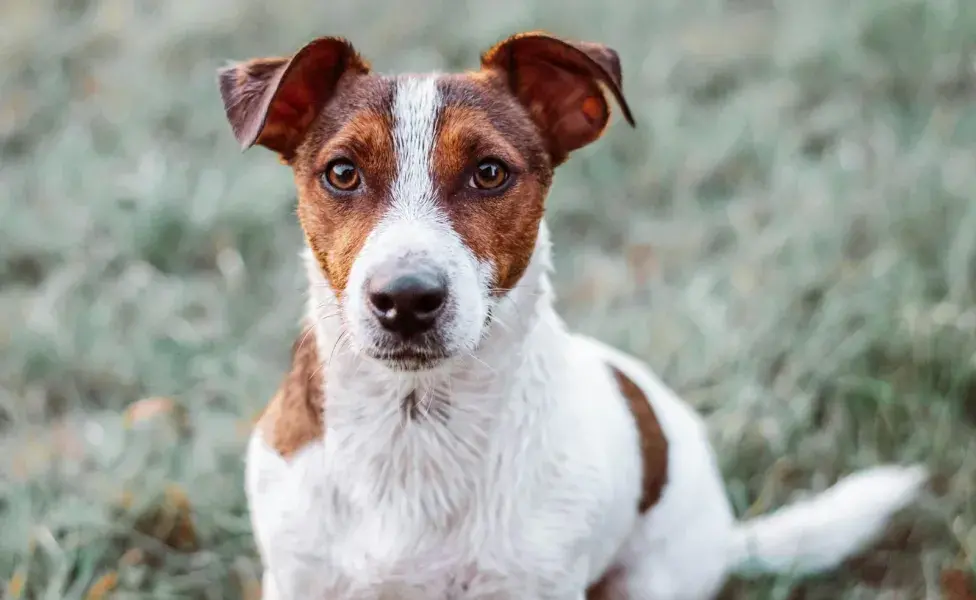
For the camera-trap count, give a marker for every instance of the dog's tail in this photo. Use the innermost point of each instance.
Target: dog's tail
(819, 533)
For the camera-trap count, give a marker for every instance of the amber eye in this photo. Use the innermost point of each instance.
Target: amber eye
(490, 174)
(341, 175)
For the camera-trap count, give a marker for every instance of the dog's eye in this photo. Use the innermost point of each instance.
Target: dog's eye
(342, 175)
(490, 174)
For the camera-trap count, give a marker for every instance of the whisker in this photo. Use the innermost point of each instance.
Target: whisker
(483, 363)
(336, 345)
(311, 328)
(496, 319)
(308, 332)
(430, 400)
(359, 363)
(502, 293)
(317, 369)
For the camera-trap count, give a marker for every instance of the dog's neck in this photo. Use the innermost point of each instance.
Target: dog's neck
(360, 388)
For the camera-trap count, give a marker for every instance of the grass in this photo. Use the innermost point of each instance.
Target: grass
(789, 237)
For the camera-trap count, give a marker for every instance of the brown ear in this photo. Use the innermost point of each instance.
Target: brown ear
(559, 82)
(272, 101)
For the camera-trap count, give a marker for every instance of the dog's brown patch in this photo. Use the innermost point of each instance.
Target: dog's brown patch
(295, 416)
(654, 446)
(479, 122)
(654, 458)
(607, 587)
(356, 126)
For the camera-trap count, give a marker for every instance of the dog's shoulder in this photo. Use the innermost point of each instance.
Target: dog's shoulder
(295, 416)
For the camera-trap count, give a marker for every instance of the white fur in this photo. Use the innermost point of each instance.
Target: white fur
(523, 478)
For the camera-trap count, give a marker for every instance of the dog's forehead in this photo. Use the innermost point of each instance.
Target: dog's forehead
(367, 94)
(424, 96)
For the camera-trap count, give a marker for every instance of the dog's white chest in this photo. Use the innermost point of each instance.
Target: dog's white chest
(345, 520)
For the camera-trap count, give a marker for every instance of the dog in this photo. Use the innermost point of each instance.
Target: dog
(441, 433)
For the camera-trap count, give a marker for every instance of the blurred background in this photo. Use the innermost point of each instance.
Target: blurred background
(788, 237)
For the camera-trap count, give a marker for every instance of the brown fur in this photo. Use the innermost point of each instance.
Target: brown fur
(336, 227)
(558, 82)
(654, 446)
(499, 228)
(295, 416)
(272, 101)
(603, 589)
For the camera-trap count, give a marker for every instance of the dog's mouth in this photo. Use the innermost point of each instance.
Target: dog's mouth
(409, 358)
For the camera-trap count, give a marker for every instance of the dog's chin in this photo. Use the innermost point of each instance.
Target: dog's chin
(406, 359)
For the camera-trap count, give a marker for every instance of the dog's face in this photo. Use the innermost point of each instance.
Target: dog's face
(421, 196)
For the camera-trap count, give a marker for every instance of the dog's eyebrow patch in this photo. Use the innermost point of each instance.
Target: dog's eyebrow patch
(367, 137)
(464, 136)
(653, 445)
(338, 230)
(488, 97)
(356, 124)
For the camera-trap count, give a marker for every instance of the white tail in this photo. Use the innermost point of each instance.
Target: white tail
(819, 533)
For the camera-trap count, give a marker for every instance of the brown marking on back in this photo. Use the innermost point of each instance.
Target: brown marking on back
(607, 587)
(653, 445)
(654, 460)
(295, 416)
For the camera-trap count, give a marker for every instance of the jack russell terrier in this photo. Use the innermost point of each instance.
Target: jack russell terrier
(441, 433)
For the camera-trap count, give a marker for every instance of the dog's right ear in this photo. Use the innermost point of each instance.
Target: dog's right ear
(271, 102)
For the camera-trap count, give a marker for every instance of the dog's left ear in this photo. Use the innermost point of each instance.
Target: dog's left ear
(272, 101)
(559, 83)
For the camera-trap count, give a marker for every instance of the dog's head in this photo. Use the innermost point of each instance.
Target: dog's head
(421, 196)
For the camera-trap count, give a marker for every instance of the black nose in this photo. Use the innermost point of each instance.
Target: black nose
(407, 303)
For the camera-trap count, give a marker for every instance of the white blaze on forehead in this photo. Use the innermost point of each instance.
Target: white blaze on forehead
(416, 103)
(416, 231)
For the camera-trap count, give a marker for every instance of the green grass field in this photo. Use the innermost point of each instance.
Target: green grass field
(789, 238)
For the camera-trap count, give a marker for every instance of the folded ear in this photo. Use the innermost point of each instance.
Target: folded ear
(559, 82)
(272, 101)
